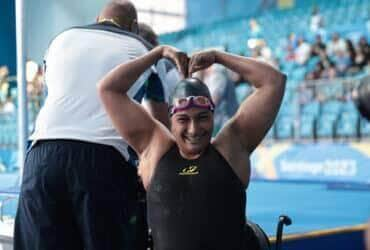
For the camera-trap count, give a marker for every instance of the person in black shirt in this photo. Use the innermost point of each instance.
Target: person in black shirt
(195, 185)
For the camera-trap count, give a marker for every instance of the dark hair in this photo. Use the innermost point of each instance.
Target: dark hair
(146, 32)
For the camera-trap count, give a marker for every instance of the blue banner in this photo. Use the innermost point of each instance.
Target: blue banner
(313, 162)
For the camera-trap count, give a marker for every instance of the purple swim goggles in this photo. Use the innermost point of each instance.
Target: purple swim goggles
(185, 103)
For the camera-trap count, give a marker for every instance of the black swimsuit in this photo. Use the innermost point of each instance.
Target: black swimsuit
(196, 204)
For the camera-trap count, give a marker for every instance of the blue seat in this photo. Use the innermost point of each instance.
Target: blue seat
(331, 107)
(307, 126)
(287, 109)
(347, 125)
(298, 74)
(284, 127)
(364, 127)
(325, 125)
(311, 108)
(349, 107)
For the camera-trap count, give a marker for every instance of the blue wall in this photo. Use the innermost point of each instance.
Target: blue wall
(7, 35)
(45, 19)
(205, 11)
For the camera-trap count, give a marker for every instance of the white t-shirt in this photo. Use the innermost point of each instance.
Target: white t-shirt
(302, 53)
(75, 62)
(316, 22)
(335, 47)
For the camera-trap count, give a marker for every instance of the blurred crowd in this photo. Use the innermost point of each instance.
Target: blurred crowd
(338, 57)
(8, 89)
(325, 56)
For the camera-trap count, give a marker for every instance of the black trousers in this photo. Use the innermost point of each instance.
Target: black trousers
(77, 195)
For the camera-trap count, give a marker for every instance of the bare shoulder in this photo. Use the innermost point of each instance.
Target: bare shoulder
(161, 142)
(228, 145)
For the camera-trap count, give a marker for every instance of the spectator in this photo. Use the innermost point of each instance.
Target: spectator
(353, 67)
(302, 52)
(318, 46)
(289, 56)
(264, 53)
(292, 40)
(342, 62)
(336, 45)
(330, 72)
(317, 72)
(255, 29)
(4, 84)
(35, 93)
(351, 51)
(364, 51)
(316, 21)
(9, 106)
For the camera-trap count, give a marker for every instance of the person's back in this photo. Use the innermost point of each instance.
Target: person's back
(76, 60)
(79, 188)
(204, 196)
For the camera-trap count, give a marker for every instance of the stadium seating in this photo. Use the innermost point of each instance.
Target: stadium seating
(330, 118)
(284, 127)
(307, 126)
(347, 125)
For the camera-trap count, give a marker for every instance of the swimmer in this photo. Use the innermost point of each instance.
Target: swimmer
(195, 185)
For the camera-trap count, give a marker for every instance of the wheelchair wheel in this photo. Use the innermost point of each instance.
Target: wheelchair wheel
(255, 237)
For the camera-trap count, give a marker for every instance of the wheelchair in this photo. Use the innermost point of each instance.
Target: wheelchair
(255, 237)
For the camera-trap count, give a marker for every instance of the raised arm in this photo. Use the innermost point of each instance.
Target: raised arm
(257, 113)
(129, 118)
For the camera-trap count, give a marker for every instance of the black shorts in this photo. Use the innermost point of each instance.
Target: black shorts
(76, 195)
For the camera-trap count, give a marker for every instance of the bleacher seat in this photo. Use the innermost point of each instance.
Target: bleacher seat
(331, 107)
(349, 107)
(347, 125)
(307, 126)
(284, 127)
(364, 128)
(311, 108)
(325, 125)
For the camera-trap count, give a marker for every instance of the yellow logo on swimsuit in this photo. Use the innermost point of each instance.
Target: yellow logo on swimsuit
(191, 170)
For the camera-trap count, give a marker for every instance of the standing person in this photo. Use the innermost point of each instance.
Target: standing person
(316, 21)
(78, 189)
(195, 186)
(168, 72)
(222, 90)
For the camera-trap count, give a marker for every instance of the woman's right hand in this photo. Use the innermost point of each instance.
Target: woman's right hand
(202, 60)
(178, 57)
